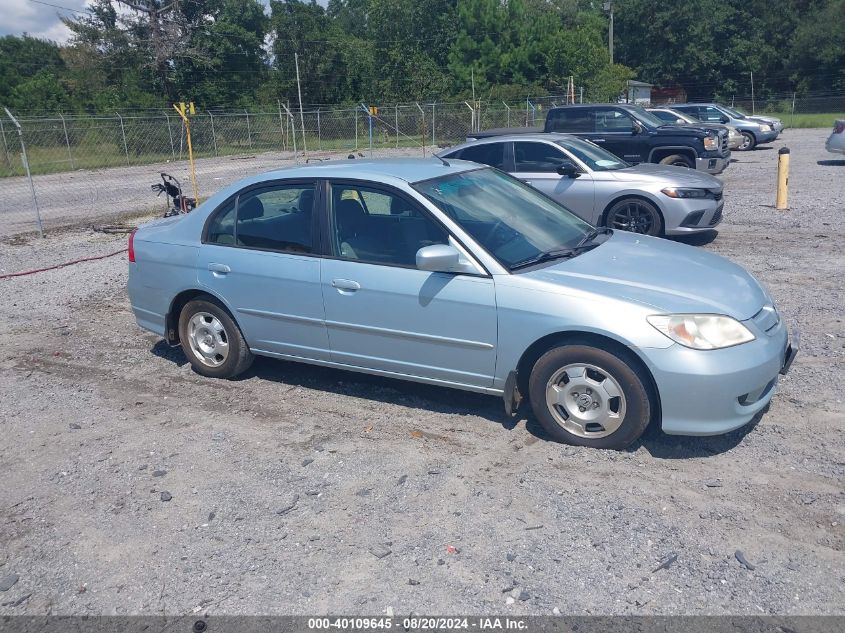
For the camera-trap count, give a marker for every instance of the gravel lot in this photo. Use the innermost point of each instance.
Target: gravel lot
(301, 490)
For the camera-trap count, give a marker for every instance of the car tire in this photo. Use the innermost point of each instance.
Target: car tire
(678, 160)
(749, 142)
(635, 215)
(211, 339)
(589, 396)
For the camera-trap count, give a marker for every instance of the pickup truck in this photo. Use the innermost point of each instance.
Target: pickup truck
(635, 136)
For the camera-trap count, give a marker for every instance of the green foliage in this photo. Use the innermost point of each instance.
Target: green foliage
(241, 54)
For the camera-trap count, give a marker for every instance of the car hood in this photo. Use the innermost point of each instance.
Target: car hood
(668, 174)
(665, 275)
(675, 129)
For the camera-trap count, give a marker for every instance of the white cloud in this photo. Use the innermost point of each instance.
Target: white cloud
(38, 20)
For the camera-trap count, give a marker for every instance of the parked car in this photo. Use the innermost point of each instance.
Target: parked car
(601, 188)
(753, 130)
(462, 276)
(836, 140)
(735, 139)
(635, 136)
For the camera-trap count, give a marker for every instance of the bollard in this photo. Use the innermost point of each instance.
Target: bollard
(783, 178)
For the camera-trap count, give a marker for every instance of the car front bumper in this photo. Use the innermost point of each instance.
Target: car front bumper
(713, 164)
(716, 391)
(766, 137)
(684, 216)
(836, 143)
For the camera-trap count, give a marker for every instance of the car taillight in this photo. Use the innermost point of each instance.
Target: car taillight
(132, 246)
(839, 127)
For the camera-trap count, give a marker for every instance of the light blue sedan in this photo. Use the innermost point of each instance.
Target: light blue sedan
(459, 275)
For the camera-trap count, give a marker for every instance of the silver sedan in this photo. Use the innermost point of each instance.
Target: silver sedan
(602, 188)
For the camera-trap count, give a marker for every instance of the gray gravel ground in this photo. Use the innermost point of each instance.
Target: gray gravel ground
(301, 490)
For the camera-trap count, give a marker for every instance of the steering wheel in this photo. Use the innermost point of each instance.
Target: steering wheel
(493, 231)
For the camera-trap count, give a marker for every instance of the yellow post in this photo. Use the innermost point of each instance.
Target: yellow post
(181, 110)
(783, 178)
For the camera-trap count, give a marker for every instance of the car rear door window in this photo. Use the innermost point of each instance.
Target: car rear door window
(612, 120)
(276, 218)
(537, 157)
(570, 120)
(492, 154)
(379, 226)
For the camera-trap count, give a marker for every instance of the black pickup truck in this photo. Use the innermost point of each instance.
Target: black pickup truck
(635, 135)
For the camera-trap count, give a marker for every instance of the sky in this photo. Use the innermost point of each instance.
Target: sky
(41, 20)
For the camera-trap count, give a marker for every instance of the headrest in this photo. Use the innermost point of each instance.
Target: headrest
(305, 204)
(350, 211)
(250, 209)
(398, 206)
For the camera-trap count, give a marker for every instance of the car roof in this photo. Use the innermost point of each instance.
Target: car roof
(534, 136)
(377, 170)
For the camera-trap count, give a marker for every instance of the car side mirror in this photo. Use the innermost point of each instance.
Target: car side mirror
(568, 169)
(724, 119)
(636, 128)
(439, 258)
(680, 121)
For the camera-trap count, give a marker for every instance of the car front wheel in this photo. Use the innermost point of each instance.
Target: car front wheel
(589, 396)
(212, 340)
(748, 142)
(635, 215)
(678, 160)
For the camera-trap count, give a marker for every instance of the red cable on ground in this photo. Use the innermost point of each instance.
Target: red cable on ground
(75, 261)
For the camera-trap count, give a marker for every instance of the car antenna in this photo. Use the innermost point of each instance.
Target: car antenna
(442, 160)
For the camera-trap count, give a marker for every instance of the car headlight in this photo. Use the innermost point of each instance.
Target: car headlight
(766, 128)
(702, 331)
(680, 192)
(711, 143)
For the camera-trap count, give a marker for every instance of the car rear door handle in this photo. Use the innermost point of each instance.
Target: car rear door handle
(346, 285)
(219, 269)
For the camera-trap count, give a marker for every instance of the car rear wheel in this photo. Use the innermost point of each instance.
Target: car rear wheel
(678, 160)
(212, 340)
(748, 142)
(589, 396)
(635, 215)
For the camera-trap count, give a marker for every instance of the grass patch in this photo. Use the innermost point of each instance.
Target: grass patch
(797, 120)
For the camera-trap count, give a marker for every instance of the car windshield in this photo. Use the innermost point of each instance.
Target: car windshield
(592, 155)
(647, 117)
(734, 113)
(682, 116)
(514, 222)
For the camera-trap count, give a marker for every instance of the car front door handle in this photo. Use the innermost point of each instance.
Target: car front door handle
(219, 269)
(598, 140)
(345, 285)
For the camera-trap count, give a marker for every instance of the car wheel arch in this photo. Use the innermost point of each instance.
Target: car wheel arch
(626, 196)
(180, 301)
(659, 154)
(580, 337)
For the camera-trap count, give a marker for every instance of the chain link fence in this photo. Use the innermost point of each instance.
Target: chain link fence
(85, 168)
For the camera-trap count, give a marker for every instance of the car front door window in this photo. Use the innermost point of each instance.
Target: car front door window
(384, 314)
(379, 227)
